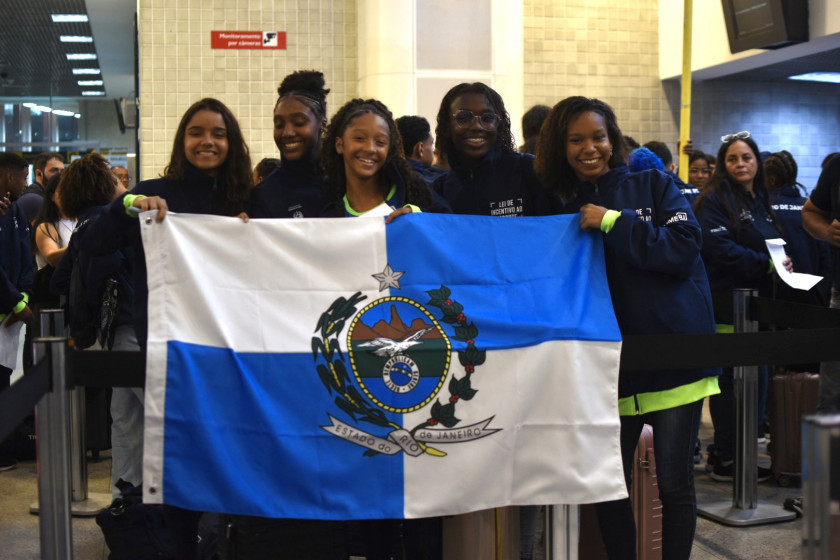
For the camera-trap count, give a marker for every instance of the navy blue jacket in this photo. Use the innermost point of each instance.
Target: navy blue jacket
(502, 184)
(96, 269)
(657, 280)
(17, 266)
(809, 255)
(428, 173)
(114, 229)
(735, 253)
(294, 190)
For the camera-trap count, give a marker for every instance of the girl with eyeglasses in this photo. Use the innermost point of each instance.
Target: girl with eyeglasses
(487, 175)
(734, 212)
(657, 285)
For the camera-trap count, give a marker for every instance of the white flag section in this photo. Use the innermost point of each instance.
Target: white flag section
(348, 369)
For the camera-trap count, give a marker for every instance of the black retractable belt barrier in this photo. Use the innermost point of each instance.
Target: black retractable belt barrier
(108, 369)
(17, 402)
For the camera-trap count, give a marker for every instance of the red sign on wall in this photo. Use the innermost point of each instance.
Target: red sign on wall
(248, 39)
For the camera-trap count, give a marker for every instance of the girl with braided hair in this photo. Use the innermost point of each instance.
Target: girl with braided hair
(366, 170)
(295, 190)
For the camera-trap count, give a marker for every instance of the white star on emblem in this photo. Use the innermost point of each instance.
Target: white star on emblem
(388, 278)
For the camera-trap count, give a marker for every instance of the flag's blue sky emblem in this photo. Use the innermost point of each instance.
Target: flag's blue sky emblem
(388, 278)
(399, 358)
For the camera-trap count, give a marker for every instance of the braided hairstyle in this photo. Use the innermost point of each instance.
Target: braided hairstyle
(443, 130)
(235, 173)
(87, 182)
(780, 170)
(307, 86)
(417, 192)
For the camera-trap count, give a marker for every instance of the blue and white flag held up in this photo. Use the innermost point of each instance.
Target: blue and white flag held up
(345, 369)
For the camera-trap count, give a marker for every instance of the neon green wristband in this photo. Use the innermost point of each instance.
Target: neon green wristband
(21, 305)
(128, 202)
(609, 219)
(414, 209)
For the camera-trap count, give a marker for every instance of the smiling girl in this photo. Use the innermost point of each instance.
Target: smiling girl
(295, 190)
(366, 170)
(657, 285)
(488, 176)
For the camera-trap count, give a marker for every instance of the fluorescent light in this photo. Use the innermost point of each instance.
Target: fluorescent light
(827, 77)
(30, 105)
(81, 56)
(69, 18)
(90, 82)
(93, 93)
(75, 39)
(78, 116)
(42, 108)
(93, 71)
(63, 113)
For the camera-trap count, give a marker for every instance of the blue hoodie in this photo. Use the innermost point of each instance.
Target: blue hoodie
(17, 267)
(656, 277)
(294, 190)
(502, 184)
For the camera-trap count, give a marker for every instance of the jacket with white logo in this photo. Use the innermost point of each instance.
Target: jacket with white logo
(657, 280)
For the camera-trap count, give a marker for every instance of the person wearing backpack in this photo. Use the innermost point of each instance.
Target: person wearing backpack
(100, 292)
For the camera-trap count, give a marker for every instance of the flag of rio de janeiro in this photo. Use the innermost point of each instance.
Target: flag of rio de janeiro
(349, 369)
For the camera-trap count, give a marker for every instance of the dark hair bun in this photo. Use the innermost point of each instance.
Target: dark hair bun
(311, 81)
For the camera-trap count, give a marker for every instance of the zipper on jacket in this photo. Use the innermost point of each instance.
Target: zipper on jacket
(636, 401)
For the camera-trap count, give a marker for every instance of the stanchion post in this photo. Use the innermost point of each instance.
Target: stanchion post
(54, 454)
(821, 487)
(84, 504)
(562, 528)
(745, 508)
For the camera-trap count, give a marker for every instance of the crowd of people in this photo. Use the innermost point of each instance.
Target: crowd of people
(669, 247)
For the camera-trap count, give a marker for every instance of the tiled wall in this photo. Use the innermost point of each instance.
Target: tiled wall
(607, 49)
(178, 67)
(799, 117)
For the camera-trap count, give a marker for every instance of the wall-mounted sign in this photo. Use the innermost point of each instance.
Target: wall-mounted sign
(248, 39)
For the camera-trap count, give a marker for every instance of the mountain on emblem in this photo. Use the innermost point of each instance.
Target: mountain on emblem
(399, 354)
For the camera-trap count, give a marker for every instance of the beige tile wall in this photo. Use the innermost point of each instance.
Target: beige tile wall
(178, 67)
(599, 48)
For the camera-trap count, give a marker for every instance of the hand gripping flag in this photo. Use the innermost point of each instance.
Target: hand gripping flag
(349, 369)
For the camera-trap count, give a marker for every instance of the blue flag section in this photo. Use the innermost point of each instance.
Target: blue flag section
(348, 369)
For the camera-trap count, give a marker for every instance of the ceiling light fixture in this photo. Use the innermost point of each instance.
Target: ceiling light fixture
(91, 71)
(75, 39)
(825, 77)
(90, 82)
(69, 18)
(42, 108)
(92, 93)
(81, 56)
(63, 113)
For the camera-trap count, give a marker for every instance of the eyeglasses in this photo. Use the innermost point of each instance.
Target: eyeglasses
(703, 170)
(743, 135)
(487, 121)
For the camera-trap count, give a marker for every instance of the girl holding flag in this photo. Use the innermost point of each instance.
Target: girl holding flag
(658, 285)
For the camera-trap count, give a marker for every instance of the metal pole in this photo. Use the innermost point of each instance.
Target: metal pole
(821, 487)
(745, 508)
(84, 504)
(562, 532)
(685, 95)
(53, 443)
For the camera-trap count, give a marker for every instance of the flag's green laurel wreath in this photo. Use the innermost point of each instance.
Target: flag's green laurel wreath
(335, 378)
